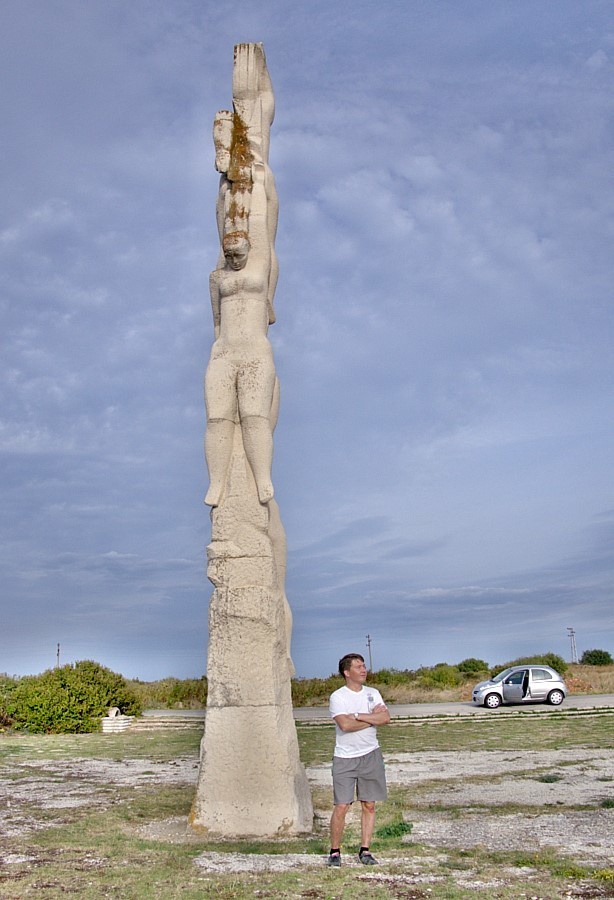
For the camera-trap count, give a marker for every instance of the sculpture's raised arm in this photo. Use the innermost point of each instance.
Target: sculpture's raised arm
(253, 99)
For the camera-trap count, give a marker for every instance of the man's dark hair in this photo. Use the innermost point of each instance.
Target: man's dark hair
(346, 662)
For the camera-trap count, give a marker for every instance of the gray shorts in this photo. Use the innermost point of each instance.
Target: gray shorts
(364, 774)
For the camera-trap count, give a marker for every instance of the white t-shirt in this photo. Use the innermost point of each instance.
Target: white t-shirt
(354, 743)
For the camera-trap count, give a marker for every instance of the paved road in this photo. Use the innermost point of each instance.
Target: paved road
(425, 710)
(466, 708)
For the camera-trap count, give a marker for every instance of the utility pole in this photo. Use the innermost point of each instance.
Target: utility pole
(57, 663)
(574, 650)
(369, 648)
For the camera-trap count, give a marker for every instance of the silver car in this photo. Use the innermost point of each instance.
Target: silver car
(521, 684)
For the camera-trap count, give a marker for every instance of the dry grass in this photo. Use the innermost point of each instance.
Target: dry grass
(590, 679)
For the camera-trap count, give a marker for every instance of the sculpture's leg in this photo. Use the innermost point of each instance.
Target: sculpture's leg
(218, 450)
(255, 391)
(221, 403)
(258, 443)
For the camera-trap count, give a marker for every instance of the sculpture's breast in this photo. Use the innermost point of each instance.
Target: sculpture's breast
(250, 282)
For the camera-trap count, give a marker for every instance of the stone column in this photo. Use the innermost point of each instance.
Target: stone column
(251, 780)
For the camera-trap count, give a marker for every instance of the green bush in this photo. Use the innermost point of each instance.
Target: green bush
(596, 658)
(472, 666)
(71, 699)
(7, 686)
(390, 676)
(314, 691)
(440, 676)
(191, 693)
(171, 693)
(554, 661)
(153, 694)
(545, 659)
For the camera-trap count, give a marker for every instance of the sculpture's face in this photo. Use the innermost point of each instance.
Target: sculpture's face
(236, 253)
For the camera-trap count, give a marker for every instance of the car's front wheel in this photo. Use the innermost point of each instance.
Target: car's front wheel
(555, 698)
(492, 701)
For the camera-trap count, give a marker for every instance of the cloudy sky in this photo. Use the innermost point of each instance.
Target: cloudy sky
(444, 454)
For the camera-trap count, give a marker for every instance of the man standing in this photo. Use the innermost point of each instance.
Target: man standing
(358, 765)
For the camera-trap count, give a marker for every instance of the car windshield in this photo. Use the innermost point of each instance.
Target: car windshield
(502, 674)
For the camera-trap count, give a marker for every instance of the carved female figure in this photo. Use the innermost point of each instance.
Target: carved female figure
(240, 377)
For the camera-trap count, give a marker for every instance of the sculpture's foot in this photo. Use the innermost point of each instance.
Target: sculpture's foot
(266, 492)
(212, 497)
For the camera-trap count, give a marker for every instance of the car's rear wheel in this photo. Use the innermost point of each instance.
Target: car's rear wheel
(555, 698)
(492, 701)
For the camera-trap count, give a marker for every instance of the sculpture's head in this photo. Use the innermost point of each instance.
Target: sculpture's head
(236, 249)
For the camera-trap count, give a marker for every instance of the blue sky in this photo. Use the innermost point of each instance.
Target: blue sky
(443, 459)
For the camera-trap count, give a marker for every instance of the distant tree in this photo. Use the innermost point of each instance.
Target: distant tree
(596, 658)
(472, 666)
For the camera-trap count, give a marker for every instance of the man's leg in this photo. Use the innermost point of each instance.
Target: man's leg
(337, 823)
(367, 822)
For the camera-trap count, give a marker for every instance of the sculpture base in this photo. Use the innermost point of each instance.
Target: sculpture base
(251, 780)
(252, 783)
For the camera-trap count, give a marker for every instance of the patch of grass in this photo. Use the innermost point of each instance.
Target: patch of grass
(548, 778)
(394, 830)
(560, 867)
(608, 803)
(606, 875)
(519, 732)
(16, 747)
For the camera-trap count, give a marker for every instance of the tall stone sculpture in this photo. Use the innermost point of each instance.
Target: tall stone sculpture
(251, 780)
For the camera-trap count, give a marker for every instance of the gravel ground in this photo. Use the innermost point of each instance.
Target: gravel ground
(482, 790)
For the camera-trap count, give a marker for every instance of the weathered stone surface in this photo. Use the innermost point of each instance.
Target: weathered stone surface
(253, 774)
(251, 780)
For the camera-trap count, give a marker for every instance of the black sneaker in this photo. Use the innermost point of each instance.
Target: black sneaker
(334, 859)
(367, 859)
